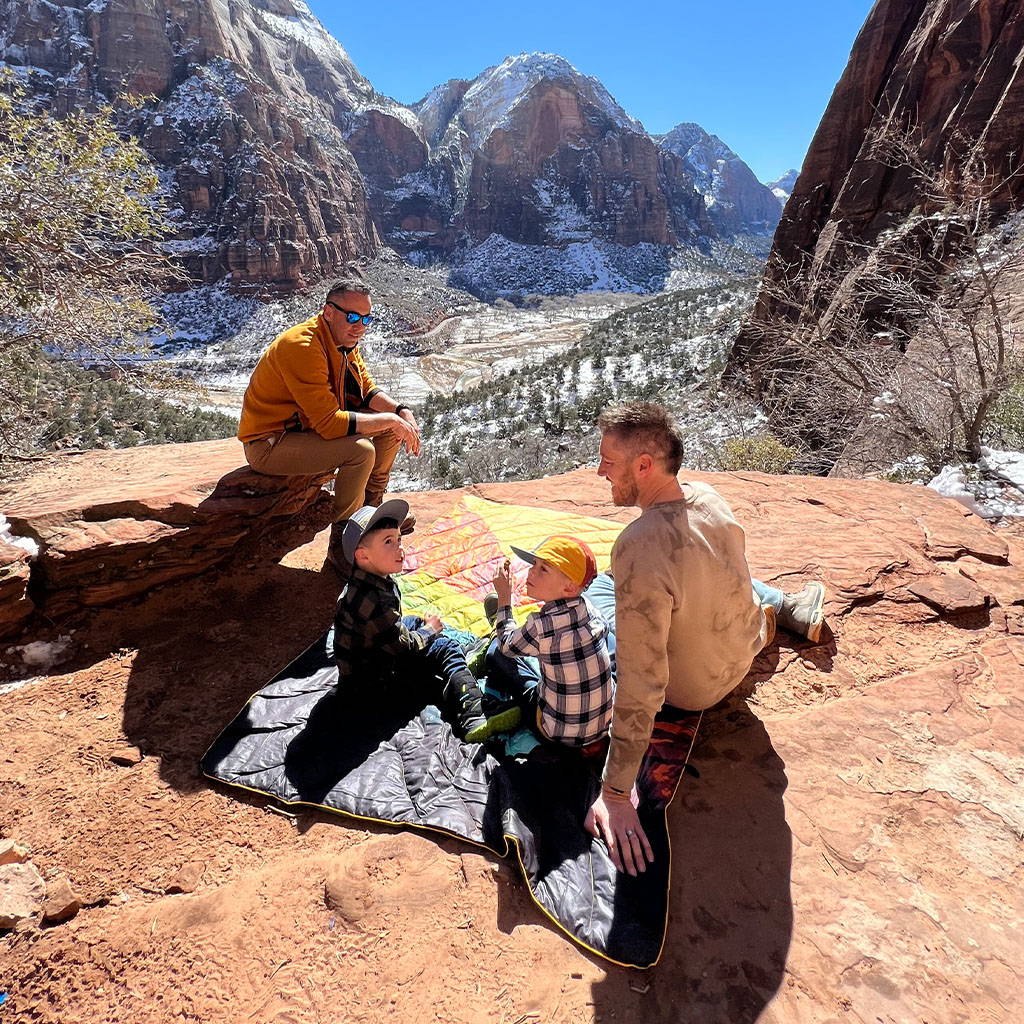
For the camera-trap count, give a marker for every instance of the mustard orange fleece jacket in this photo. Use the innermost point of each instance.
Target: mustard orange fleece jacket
(303, 382)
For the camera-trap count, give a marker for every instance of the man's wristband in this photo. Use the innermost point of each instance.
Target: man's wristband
(399, 408)
(612, 793)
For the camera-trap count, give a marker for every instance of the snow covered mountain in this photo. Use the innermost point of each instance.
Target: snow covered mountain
(244, 128)
(737, 202)
(281, 162)
(782, 188)
(536, 152)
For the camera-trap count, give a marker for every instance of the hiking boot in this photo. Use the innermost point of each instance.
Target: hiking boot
(491, 608)
(476, 655)
(335, 553)
(804, 613)
(462, 697)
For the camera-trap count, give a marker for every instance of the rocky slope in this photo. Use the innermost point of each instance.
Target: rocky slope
(736, 201)
(849, 851)
(280, 161)
(243, 122)
(950, 71)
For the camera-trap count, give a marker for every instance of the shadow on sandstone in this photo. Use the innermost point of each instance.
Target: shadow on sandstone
(730, 908)
(206, 647)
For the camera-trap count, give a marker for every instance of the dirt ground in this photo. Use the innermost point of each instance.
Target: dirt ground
(306, 917)
(309, 918)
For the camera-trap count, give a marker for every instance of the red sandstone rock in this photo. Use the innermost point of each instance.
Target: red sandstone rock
(115, 524)
(186, 878)
(851, 850)
(12, 852)
(15, 604)
(948, 68)
(22, 891)
(245, 123)
(950, 595)
(61, 902)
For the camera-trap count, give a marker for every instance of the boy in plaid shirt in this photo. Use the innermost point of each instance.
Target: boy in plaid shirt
(568, 637)
(376, 648)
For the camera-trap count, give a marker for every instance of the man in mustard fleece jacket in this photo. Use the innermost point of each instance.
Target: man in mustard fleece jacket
(312, 406)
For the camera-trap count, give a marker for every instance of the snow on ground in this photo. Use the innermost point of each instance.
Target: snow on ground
(951, 482)
(37, 659)
(42, 655)
(7, 537)
(1008, 465)
(499, 267)
(993, 489)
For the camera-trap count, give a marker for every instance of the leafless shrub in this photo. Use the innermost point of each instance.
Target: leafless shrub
(911, 339)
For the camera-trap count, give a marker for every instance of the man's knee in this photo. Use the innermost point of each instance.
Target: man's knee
(358, 457)
(364, 452)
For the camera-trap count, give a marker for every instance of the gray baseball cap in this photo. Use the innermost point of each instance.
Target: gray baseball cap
(362, 519)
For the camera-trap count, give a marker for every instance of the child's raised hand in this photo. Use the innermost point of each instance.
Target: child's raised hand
(502, 583)
(434, 622)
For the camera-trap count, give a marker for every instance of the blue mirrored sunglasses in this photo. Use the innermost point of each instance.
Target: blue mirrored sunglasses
(350, 315)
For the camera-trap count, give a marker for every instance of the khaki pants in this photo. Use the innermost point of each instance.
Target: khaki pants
(363, 463)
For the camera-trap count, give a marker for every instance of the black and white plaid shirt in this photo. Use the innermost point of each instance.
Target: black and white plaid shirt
(368, 630)
(577, 688)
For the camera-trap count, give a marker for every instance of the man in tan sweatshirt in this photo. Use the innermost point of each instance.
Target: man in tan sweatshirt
(312, 406)
(689, 619)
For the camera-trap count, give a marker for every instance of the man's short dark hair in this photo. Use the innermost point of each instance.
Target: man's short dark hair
(349, 283)
(644, 427)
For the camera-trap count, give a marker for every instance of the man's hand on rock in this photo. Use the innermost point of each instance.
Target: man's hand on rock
(613, 818)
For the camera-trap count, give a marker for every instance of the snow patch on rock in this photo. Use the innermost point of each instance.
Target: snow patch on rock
(993, 489)
(496, 91)
(7, 536)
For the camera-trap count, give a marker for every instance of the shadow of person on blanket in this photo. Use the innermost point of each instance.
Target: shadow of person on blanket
(202, 652)
(299, 740)
(730, 906)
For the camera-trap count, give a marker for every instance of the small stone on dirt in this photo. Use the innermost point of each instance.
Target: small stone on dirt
(12, 852)
(61, 902)
(349, 900)
(186, 878)
(22, 891)
(126, 755)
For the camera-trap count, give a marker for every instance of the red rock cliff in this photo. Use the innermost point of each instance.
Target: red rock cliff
(949, 68)
(244, 125)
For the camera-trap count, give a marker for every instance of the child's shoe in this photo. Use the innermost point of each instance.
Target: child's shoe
(476, 656)
(462, 696)
(504, 721)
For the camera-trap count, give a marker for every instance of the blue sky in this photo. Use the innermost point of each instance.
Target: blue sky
(758, 75)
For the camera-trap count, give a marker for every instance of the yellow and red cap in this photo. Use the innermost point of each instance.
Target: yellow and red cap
(567, 554)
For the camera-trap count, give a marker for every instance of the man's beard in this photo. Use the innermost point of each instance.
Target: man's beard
(625, 493)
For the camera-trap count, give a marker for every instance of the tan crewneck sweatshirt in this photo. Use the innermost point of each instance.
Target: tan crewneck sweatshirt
(687, 622)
